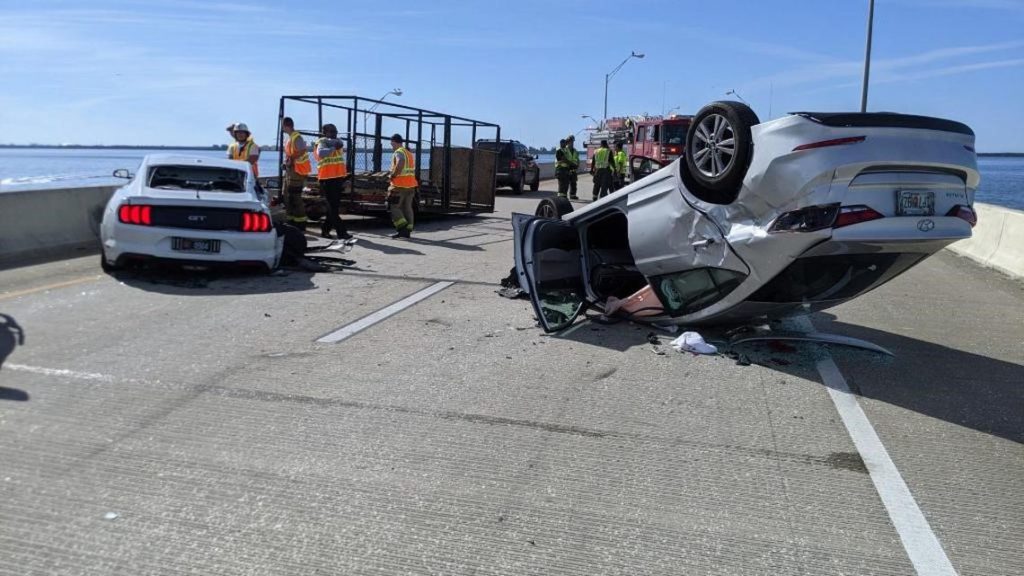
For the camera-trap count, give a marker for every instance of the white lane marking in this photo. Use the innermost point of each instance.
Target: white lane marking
(61, 373)
(919, 541)
(365, 322)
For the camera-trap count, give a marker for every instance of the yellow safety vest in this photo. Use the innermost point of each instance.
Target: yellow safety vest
(407, 177)
(621, 160)
(300, 164)
(241, 152)
(601, 157)
(330, 166)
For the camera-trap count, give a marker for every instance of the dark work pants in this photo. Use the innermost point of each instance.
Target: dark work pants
(602, 182)
(572, 183)
(618, 181)
(563, 181)
(332, 193)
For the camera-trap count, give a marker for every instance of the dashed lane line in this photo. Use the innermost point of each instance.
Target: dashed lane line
(365, 322)
(54, 286)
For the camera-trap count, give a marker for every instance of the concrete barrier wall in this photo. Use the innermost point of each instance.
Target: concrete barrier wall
(547, 170)
(998, 239)
(50, 223)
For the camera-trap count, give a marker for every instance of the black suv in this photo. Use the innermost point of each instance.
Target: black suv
(516, 167)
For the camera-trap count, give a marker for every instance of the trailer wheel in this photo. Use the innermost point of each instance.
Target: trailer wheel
(535, 185)
(719, 150)
(517, 186)
(554, 208)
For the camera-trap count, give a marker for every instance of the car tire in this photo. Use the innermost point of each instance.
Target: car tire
(107, 266)
(535, 185)
(517, 186)
(719, 150)
(554, 208)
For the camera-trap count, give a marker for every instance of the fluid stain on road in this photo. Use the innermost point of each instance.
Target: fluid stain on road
(847, 461)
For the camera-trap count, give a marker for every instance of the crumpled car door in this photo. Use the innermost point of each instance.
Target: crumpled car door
(550, 268)
(667, 234)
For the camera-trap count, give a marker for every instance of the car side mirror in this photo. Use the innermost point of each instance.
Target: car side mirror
(122, 173)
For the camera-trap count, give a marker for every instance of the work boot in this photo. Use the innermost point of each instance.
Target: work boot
(397, 234)
(345, 236)
(405, 233)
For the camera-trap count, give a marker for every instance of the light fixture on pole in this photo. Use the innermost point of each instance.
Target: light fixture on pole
(596, 121)
(608, 77)
(737, 94)
(396, 92)
(867, 58)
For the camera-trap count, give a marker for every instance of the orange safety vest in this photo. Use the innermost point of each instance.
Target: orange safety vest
(300, 164)
(330, 166)
(407, 177)
(237, 152)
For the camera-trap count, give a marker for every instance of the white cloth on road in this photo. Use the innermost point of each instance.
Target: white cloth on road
(693, 342)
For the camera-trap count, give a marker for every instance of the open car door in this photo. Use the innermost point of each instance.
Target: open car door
(549, 267)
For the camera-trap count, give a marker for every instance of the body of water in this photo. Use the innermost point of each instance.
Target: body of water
(1002, 179)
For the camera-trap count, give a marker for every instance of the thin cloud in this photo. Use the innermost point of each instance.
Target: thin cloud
(853, 68)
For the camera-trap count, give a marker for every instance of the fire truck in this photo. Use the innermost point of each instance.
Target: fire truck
(650, 141)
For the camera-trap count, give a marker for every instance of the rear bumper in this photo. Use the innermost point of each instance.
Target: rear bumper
(143, 242)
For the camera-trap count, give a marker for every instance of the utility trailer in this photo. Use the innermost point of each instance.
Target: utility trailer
(454, 176)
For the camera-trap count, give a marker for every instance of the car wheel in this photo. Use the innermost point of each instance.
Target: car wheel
(720, 149)
(517, 186)
(554, 208)
(106, 266)
(535, 185)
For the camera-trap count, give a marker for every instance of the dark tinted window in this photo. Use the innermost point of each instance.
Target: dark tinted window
(208, 178)
(500, 147)
(823, 278)
(693, 290)
(673, 134)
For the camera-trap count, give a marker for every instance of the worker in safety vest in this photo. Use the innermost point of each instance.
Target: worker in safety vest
(573, 158)
(331, 172)
(619, 162)
(402, 192)
(562, 169)
(244, 149)
(296, 169)
(601, 170)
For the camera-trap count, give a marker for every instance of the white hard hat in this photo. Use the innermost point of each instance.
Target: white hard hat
(241, 127)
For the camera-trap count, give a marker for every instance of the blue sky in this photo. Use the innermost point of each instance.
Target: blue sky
(176, 72)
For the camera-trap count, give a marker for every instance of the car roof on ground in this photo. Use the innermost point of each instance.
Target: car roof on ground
(192, 160)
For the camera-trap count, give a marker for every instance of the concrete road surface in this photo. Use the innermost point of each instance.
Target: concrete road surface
(170, 423)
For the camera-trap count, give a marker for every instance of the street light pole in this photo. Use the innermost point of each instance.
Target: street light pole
(607, 79)
(867, 58)
(737, 94)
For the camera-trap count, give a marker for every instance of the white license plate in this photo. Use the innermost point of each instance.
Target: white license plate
(195, 245)
(915, 203)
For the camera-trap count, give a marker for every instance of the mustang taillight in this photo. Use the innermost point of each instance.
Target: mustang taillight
(806, 219)
(849, 215)
(965, 213)
(827, 143)
(255, 222)
(139, 214)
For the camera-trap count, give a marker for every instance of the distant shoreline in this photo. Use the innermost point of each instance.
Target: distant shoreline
(274, 148)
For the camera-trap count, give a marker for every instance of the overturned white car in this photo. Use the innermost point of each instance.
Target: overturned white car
(193, 210)
(757, 220)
